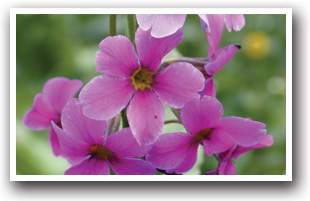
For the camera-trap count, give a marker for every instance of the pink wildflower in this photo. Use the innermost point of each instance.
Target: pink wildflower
(177, 152)
(47, 107)
(213, 25)
(126, 73)
(226, 165)
(167, 24)
(85, 145)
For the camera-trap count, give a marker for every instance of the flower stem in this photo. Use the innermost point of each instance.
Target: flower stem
(124, 119)
(112, 24)
(131, 26)
(172, 121)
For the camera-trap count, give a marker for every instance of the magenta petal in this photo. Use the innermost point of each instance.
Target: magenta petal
(58, 91)
(266, 142)
(223, 56)
(204, 22)
(178, 83)
(216, 24)
(201, 114)
(242, 131)
(226, 168)
(104, 97)
(146, 117)
(117, 57)
(41, 115)
(90, 167)
(81, 127)
(131, 166)
(162, 25)
(217, 142)
(188, 161)
(123, 144)
(170, 150)
(73, 149)
(152, 50)
(209, 89)
(54, 142)
(235, 21)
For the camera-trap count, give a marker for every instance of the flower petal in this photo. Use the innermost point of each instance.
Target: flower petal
(235, 21)
(104, 97)
(222, 57)
(54, 142)
(169, 151)
(117, 57)
(41, 115)
(90, 167)
(80, 127)
(216, 24)
(151, 50)
(226, 168)
(72, 149)
(242, 131)
(178, 83)
(131, 166)
(188, 161)
(204, 22)
(209, 89)
(162, 25)
(123, 144)
(217, 142)
(59, 90)
(201, 114)
(266, 142)
(146, 117)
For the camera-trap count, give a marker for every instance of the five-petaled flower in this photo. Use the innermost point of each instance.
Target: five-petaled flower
(47, 107)
(85, 145)
(177, 152)
(134, 77)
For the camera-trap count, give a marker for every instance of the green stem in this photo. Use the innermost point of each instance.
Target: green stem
(124, 119)
(112, 24)
(172, 121)
(131, 26)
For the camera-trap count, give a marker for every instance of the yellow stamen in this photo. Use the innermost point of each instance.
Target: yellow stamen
(142, 79)
(100, 152)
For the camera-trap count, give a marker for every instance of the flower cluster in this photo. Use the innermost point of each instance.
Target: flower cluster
(135, 83)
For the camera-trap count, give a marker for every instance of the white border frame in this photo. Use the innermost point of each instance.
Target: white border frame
(15, 11)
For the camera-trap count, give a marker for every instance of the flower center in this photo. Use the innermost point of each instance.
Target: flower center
(100, 152)
(203, 134)
(142, 79)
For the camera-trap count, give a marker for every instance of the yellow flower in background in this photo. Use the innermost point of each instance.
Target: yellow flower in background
(256, 45)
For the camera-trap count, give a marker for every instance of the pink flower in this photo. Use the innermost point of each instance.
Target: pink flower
(226, 165)
(47, 107)
(177, 152)
(85, 145)
(213, 25)
(133, 77)
(168, 24)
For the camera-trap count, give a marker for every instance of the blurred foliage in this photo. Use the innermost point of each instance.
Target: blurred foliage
(252, 84)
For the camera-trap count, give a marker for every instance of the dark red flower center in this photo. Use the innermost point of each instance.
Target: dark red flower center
(100, 152)
(203, 134)
(142, 79)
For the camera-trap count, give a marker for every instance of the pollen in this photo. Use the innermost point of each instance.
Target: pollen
(142, 79)
(100, 152)
(203, 134)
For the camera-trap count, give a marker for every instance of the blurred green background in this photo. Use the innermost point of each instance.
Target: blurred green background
(252, 84)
